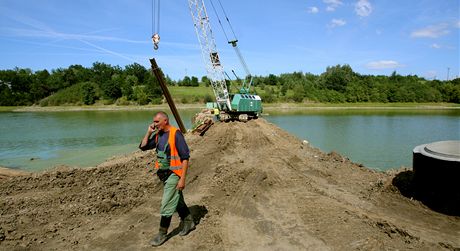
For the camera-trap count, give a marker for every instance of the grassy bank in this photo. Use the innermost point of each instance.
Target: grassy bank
(10, 108)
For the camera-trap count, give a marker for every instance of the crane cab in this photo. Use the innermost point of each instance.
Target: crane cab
(246, 103)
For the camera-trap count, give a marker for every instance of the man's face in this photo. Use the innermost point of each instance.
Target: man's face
(160, 122)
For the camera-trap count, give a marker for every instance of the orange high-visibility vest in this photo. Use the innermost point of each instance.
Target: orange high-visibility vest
(175, 164)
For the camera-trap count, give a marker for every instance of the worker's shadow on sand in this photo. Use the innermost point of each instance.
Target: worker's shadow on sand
(197, 212)
(447, 203)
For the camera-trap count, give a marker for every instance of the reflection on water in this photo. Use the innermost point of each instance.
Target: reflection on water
(378, 138)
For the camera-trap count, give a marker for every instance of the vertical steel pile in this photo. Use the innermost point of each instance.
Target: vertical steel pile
(159, 75)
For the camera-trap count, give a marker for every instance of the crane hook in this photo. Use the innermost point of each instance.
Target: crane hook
(155, 40)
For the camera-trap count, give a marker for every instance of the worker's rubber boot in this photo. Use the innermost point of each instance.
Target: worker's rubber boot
(160, 238)
(187, 225)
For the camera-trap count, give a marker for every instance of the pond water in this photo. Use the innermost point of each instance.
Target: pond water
(379, 139)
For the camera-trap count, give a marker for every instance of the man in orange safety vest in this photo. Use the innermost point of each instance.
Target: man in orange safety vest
(172, 163)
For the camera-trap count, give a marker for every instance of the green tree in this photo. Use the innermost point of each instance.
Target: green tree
(186, 81)
(140, 95)
(112, 88)
(137, 70)
(39, 88)
(205, 81)
(271, 80)
(337, 78)
(299, 93)
(127, 86)
(169, 81)
(69, 77)
(268, 96)
(6, 94)
(55, 81)
(284, 89)
(356, 92)
(79, 74)
(194, 81)
(450, 92)
(88, 93)
(21, 80)
(153, 90)
(102, 73)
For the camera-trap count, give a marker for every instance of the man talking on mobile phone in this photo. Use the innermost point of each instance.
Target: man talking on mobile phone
(172, 163)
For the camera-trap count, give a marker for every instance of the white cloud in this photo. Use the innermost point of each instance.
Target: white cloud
(457, 24)
(432, 31)
(443, 46)
(313, 10)
(332, 4)
(383, 64)
(337, 22)
(363, 8)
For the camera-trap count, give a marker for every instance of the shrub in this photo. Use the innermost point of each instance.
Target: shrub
(140, 95)
(184, 100)
(107, 102)
(208, 98)
(85, 92)
(157, 101)
(122, 101)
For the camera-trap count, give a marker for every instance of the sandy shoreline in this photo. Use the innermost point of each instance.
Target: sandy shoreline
(6, 172)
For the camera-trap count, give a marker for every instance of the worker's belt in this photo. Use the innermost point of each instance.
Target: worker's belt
(163, 174)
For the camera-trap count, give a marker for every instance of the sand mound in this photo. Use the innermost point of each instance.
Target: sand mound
(251, 186)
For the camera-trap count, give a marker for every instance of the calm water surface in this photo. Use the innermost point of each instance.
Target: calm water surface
(378, 139)
(39, 140)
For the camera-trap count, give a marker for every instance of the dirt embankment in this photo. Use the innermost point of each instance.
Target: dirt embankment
(251, 186)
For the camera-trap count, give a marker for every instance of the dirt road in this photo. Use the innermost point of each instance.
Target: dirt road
(251, 186)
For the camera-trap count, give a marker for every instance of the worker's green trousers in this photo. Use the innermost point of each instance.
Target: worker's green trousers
(172, 198)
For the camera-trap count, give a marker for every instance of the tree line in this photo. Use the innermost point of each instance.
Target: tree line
(79, 85)
(339, 84)
(134, 84)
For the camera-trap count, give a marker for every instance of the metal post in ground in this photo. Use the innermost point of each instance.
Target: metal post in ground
(159, 75)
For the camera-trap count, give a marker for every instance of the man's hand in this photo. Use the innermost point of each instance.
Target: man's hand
(151, 128)
(181, 184)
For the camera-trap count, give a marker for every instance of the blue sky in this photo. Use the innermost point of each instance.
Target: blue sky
(374, 37)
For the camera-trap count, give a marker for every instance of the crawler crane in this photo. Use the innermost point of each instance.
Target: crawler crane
(243, 105)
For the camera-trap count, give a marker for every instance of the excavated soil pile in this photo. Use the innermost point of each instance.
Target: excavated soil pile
(251, 186)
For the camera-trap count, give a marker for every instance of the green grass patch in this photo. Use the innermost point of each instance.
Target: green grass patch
(9, 108)
(187, 91)
(191, 95)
